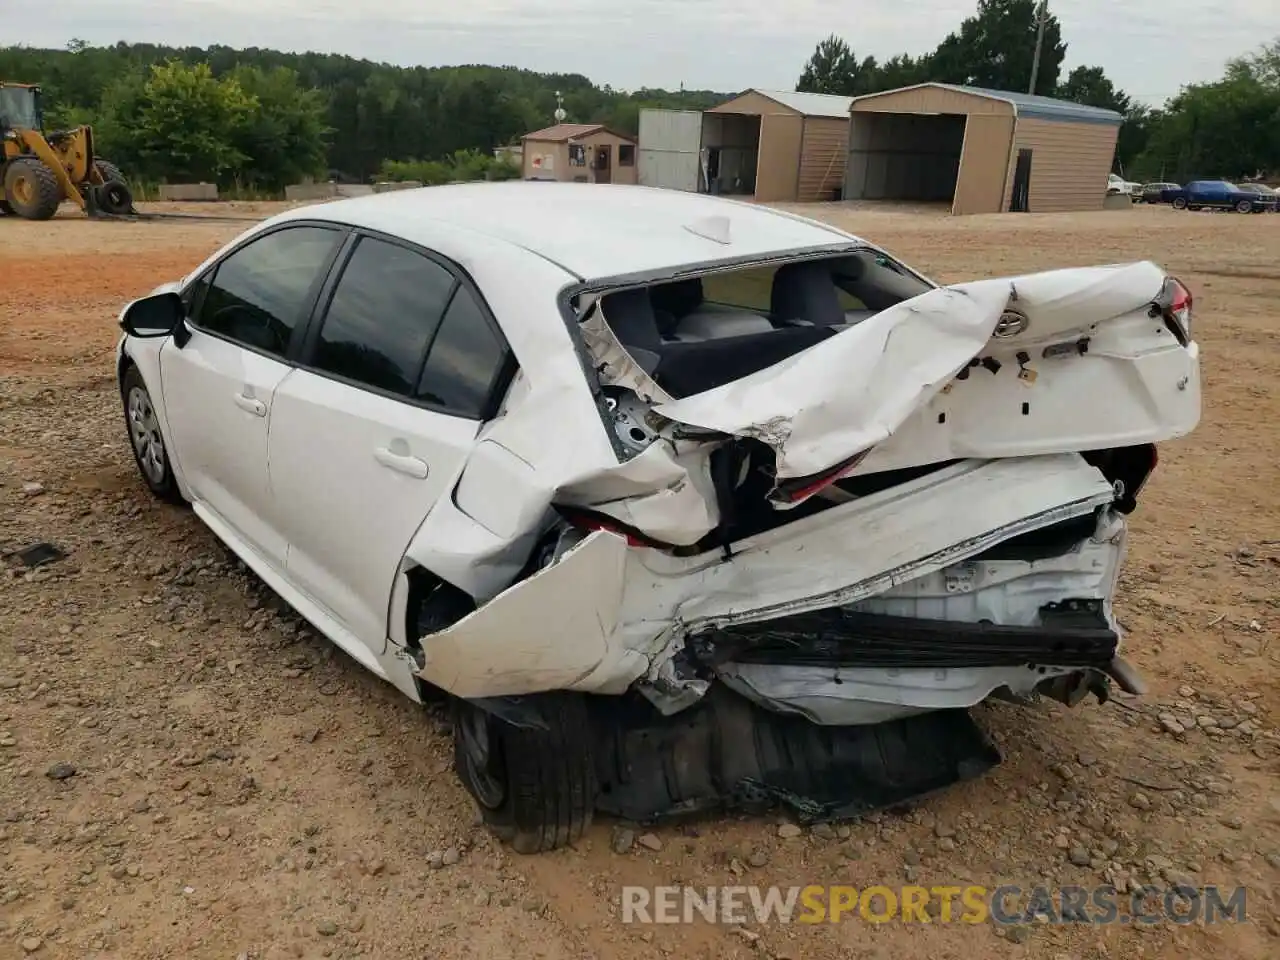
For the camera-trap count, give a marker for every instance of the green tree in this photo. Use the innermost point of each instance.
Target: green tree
(282, 138)
(1263, 65)
(1135, 134)
(376, 112)
(903, 71)
(186, 123)
(832, 68)
(1092, 87)
(996, 46)
(1226, 129)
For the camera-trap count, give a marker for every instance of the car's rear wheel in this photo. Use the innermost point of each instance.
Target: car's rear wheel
(535, 785)
(145, 439)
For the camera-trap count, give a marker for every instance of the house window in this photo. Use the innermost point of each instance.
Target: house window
(626, 155)
(577, 155)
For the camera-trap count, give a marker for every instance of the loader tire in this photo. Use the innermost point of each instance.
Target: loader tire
(31, 189)
(113, 197)
(535, 786)
(108, 170)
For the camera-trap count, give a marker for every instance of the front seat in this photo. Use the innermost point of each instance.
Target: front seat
(804, 294)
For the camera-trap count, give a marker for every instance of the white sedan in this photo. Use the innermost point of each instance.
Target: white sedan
(680, 501)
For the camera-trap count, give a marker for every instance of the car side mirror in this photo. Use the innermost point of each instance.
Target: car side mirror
(159, 315)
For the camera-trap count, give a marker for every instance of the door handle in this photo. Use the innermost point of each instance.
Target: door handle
(251, 404)
(401, 463)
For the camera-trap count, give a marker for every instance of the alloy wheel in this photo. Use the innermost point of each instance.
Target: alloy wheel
(144, 433)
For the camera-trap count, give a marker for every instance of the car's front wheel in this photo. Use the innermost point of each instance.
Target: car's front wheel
(1244, 206)
(535, 785)
(1180, 203)
(145, 440)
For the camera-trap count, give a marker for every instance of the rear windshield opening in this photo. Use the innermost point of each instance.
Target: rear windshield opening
(699, 333)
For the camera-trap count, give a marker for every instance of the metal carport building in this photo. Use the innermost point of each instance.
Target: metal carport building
(985, 151)
(766, 144)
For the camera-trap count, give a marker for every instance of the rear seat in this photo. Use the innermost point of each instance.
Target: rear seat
(684, 368)
(692, 366)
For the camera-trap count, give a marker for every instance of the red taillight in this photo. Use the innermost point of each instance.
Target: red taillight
(590, 522)
(1155, 460)
(1175, 303)
(794, 492)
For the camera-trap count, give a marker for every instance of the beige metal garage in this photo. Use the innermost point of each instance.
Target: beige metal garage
(776, 145)
(985, 151)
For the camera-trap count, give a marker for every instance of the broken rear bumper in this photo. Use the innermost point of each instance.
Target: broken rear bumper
(607, 616)
(841, 667)
(1074, 633)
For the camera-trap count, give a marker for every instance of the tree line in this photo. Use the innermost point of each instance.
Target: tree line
(260, 119)
(1228, 128)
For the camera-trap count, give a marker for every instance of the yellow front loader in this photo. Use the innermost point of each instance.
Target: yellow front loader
(38, 170)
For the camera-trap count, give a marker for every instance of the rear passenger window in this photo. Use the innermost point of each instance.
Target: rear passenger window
(258, 294)
(467, 359)
(384, 313)
(748, 289)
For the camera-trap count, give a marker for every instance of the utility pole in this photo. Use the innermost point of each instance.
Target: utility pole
(1035, 59)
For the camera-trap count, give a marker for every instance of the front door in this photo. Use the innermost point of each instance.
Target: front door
(1020, 201)
(220, 385)
(604, 164)
(373, 428)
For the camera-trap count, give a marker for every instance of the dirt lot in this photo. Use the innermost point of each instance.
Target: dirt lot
(242, 790)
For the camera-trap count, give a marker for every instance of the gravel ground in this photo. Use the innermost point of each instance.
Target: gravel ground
(186, 770)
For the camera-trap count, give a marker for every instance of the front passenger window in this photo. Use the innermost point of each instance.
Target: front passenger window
(259, 293)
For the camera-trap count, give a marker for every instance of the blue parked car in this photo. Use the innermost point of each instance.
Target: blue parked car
(1221, 195)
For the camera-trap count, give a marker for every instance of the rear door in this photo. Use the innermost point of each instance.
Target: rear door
(400, 369)
(219, 387)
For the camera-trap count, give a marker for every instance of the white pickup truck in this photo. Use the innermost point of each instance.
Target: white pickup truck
(1118, 184)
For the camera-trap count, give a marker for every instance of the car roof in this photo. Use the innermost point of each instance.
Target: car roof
(591, 230)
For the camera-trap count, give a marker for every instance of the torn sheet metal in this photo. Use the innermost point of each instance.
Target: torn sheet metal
(616, 612)
(848, 553)
(1089, 371)
(843, 396)
(547, 633)
(887, 387)
(615, 364)
(839, 698)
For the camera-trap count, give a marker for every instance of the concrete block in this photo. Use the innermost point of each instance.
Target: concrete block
(389, 186)
(1117, 201)
(310, 191)
(189, 191)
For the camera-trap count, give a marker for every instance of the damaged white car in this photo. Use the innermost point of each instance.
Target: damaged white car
(681, 502)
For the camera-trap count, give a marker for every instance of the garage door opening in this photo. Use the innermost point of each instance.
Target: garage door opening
(904, 156)
(730, 153)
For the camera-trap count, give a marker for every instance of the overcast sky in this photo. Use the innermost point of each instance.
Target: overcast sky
(1148, 47)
